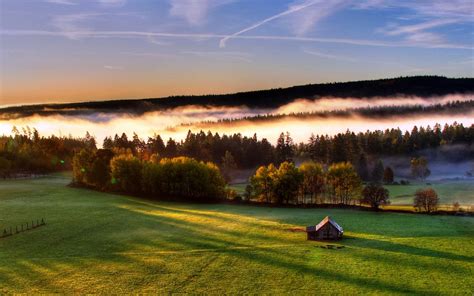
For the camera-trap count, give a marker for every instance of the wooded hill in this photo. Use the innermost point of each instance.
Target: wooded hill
(422, 86)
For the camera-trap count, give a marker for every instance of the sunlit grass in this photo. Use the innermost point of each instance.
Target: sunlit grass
(103, 243)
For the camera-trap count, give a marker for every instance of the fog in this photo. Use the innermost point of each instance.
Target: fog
(169, 123)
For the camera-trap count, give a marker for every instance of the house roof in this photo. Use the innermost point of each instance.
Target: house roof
(326, 220)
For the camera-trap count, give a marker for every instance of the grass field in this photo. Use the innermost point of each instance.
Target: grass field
(102, 243)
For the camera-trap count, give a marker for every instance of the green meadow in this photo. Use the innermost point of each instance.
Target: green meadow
(111, 244)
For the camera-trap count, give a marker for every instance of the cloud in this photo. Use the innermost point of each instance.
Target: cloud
(112, 3)
(329, 56)
(194, 36)
(235, 55)
(70, 24)
(195, 12)
(417, 32)
(63, 2)
(113, 68)
(433, 13)
(105, 3)
(305, 20)
(292, 9)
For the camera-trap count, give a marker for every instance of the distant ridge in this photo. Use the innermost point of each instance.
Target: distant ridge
(422, 86)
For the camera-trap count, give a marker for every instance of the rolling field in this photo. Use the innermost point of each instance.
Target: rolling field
(103, 243)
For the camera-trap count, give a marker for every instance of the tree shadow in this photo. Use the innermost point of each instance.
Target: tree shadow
(393, 247)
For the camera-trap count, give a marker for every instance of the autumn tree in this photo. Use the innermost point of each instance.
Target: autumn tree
(126, 173)
(426, 200)
(286, 182)
(419, 168)
(262, 182)
(375, 195)
(313, 181)
(344, 183)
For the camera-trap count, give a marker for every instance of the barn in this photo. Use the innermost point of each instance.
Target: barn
(327, 229)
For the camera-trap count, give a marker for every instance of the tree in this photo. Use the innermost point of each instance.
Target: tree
(377, 172)
(344, 184)
(419, 168)
(426, 199)
(262, 182)
(284, 148)
(375, 195)
(388, 175)
(363, 168)
(126, 173)
(248, 192)
(228, 165)
(313, 181)
(5, 167)
(286, 182)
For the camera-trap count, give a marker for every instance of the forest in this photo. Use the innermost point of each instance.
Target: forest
(28, 152)
(422, 86)
(454, 107)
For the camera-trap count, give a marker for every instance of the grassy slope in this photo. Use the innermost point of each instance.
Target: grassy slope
(96, 242)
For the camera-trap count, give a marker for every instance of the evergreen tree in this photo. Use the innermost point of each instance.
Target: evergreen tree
(377, 172)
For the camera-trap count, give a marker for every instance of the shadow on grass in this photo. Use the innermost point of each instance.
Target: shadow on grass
(386, 246)
(167, 228)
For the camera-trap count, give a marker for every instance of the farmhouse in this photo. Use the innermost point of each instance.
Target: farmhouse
(327, 229)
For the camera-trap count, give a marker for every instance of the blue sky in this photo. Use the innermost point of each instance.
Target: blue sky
(73, 50)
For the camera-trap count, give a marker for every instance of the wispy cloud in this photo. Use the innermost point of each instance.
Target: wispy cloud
(112, 3)
(113, 68)
(105, 3)
(70, 24)
(63, 2)
(305, 20)
(418, 32)
(328, 55)
(192, 36)
(235, 55)
(291, 9)
(195, 12)
(149, 54)
(433, 14)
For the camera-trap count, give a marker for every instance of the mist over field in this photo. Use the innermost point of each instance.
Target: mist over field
(176, 122)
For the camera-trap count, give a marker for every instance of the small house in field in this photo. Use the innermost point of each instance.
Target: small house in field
(327, 229)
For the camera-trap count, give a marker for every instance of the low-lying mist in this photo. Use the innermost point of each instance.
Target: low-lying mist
(176, 122)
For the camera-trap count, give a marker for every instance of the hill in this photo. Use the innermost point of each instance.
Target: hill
(422, 86)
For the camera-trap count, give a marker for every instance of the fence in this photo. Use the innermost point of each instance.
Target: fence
(22, 228)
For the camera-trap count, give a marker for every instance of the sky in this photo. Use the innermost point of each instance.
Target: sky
(54, 51)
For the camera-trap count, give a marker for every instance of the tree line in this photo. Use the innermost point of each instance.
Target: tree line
(313, 183)
(422, 86)
(26, 152)
(181, 178)
(454, 107)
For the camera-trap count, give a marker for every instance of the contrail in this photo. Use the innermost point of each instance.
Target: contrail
(130, 34)
(291, 10)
